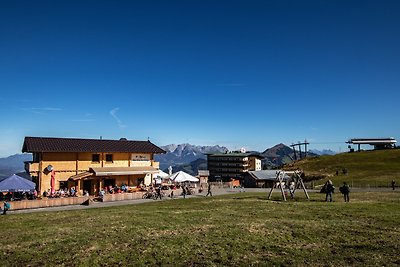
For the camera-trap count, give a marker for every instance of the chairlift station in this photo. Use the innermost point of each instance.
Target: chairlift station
(377, 143)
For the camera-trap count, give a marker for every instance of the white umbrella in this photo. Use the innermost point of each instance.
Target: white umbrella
(181, 177)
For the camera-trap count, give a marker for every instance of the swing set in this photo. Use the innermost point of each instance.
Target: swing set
(296, 177)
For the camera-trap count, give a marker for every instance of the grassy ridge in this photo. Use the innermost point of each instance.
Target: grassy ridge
(373, 168)
(233, 230)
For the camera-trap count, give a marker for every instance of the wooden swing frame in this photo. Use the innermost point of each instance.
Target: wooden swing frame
(279, 182)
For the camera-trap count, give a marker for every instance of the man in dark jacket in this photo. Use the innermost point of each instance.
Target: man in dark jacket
(330, 189)
(345, 190)
(209, 193)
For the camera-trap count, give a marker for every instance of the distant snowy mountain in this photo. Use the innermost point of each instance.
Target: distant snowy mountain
(185, 153)
(323, 152)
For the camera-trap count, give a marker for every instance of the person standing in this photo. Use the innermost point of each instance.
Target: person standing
(184, 191)
(209, 190)
(330, 189)
(345, 190)
(158, 192)
(6, 207)
(393, 184)
(291, 189)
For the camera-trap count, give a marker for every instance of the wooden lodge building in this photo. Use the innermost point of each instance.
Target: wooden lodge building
(89, 164)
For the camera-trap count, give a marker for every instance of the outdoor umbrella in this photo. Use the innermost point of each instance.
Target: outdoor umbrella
(53, 181)
(16, 183)
(181, 177)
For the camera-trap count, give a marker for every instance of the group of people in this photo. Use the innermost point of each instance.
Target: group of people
(115, 189)
(62, 192)
(330, 189)
(156, 190)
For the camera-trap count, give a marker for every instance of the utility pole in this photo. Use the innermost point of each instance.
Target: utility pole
(294, 151)
(305, 143)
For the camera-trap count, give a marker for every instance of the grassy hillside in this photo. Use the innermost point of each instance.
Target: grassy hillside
(232, 230)
(366, 168)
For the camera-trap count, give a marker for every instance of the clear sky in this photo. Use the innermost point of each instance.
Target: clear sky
(236, 73)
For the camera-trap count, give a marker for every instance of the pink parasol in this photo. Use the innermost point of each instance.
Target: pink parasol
(53, 182)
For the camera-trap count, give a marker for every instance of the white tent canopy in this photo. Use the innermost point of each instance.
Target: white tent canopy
(181, 177)
(160, 174)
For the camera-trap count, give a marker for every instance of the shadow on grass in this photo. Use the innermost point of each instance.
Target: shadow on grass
(278, 198)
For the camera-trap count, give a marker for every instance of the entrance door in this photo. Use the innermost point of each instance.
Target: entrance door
(108, 182)
(87, 186)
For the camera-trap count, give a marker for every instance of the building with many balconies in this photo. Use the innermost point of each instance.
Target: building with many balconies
(232, 166)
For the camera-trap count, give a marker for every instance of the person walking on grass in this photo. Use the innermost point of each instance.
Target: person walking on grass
(158, 192)
(292, 189)
(184, 191)
(209, 190)
(393, 184)
(330, 189)
(345, 190)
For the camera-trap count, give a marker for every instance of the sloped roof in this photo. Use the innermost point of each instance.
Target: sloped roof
(372, 141)
(51, 144)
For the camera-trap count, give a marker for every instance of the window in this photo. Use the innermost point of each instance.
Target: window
(95, 157)
(109, 157)
(36, 157)
(63, 184)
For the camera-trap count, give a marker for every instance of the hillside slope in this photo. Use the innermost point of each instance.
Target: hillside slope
(366, 168)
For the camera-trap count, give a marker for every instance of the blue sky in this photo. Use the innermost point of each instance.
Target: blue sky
(235, 73)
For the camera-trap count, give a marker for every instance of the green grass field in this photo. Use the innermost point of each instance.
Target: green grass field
(366, 168)
(233, 230)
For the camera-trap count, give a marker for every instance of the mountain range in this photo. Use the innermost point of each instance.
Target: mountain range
(13, 164)
(185, 154)
(186, 157)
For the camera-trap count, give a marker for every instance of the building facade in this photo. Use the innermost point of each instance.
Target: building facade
(203, 176)
(377, 143)
(225, 167)
(89, 164)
